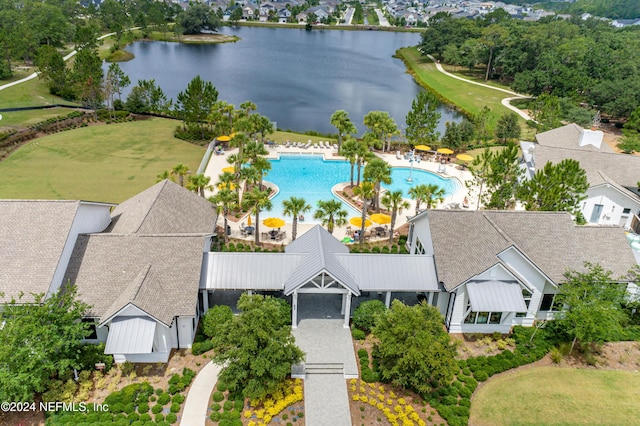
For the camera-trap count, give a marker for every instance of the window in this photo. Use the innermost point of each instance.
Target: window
(93, 331)
(495, 318)
(526, 295)
(626, 211)
(419, 247)
(434, 301)
(549, 303)
(483, 318)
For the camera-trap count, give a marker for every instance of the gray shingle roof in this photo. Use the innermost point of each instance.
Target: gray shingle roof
(467, 243)
(158, 274)
(568, 137)
(33, 234)
(165, 208)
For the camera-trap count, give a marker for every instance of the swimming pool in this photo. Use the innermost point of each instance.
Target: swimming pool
(311, 177)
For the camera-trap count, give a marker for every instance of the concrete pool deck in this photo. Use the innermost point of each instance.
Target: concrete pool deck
(218, 162)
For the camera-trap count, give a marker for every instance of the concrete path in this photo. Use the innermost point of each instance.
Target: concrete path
(197, 402)
(326, 344)
(505, 101)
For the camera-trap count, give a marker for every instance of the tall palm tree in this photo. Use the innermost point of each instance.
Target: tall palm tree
(341, 121)
(164, 175)
(225, 200)
(294, 207)
(181, 171)
(331, 213)
(250, 175)
(247, 107)
(394, 201)
(349, 150)
(418, 193)
(262, 166)
(378, 171)
(257, 200)
(253, 150)
(363, 155)
(366, 190)
(434, 194)
(199, 183)
(239, 140)
(229, 181)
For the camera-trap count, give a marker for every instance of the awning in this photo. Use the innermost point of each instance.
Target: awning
(496, 296)
(130, 335)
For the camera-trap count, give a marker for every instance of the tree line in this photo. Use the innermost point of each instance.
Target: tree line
(585, 62)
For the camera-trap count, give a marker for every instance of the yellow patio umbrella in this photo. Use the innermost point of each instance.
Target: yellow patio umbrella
(273, 222)
(423, 147)
(357, 221)
(229, 169)
(446, 151)
(381, 218)
(464, 157)
(224, 138)
(231, 186)
(249, 219)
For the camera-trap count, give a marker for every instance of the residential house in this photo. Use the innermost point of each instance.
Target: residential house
(613, 197)
(503, 268)
(284, 15)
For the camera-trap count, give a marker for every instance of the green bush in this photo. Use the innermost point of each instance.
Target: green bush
(221, 386)
(228, 405)
(201, 347)
(358, 334)
(91, 354)
(481, 376)
(369, 376)
(156, 409)
(143, 408)
(362, 353)
(365, 314)
(164, 399)
(159, 418)
(238, 405)
(215, 416)
(127, 368)
(178, 398)
(171, 418)
(145, 417)
(218, 396)
(216, 318)
(375, 249)
(175, 407)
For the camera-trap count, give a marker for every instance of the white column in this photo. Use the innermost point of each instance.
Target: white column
(294, 311)
(205, 300)
(344, 302)
(387, 299)
(431, 298)
(347, 310)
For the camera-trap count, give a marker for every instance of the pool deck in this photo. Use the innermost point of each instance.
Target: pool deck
(218, 162)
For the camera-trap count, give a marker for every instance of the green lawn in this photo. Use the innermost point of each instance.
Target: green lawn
(99, 163)
(559, 396)
(468, 97)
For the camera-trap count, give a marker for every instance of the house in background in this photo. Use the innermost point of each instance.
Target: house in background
(37, 238)
(503, 268)
(613, 197)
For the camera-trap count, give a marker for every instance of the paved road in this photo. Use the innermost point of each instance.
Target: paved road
(505, 101)
(383, 21)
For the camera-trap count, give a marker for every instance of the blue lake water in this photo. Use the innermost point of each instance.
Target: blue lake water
(311, 177)
(296, 78)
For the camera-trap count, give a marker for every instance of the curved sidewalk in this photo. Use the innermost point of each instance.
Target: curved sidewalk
(506, 101)
(197, 402)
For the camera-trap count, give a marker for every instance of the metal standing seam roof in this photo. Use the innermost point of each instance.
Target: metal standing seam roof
(249, 271)
(495, 296)
(130, 335)
(402, 272)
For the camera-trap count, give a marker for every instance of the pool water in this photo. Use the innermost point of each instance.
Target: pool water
(311, 177)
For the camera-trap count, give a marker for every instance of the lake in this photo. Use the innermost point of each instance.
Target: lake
(297, 78)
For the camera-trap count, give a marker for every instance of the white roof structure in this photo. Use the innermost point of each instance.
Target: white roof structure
(130, 335)
(316, 253)
(495, 296)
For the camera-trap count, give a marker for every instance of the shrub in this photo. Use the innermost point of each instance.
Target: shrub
(201, 347)
(556, 355)
(127, 368)
(215, 416)
(156, 409)
(362, 353)
(358, 334)
(163, 399)
(238, 405)
(216, 318)
(143, 408)
(481, 376)
(145, 417)
(369, 376)
(228, 405)
(159, 418)
(178, 398)
(171, 418)
(218, 396)
(365, 313)
(221, 386)
(175, 407)
(375, 249)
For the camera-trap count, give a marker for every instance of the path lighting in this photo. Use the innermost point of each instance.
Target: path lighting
(412, 159)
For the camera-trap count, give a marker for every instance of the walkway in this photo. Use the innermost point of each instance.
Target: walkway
(505, 101)
(197, 402)
(330, 360)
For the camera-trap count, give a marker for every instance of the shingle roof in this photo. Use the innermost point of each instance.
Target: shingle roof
(159, 274)
(568, 137)
(165, 208)
(467, 243)
(33, 234)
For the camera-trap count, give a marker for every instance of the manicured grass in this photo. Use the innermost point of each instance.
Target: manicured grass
(101, 163)
(559, 396)
(30, 93)
(470, 98)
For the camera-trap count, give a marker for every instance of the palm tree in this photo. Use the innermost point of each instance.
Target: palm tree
(225, 200)
(331, 213)
(257, 200)
(394, 201)
(262, 166)
(434, 194)
(378, 171)
(418, 193)
(366, 191)
(181, 171)
(253, 150)
(341, 121)
(294, 207)
(363, 155)
(250, 175)
(198, 183)
(229, 181)
(247, 107)
(239, 140)
(164, 175)
(349, 150)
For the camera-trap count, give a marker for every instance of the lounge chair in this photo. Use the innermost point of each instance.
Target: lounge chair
(335, 146)
(315, 145)
(281, 236)
(398, 156)
(288, 144)
(321, 143)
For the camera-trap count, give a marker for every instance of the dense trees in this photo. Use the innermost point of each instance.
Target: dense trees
(583, 61)
(422, 120)
(198, 17)
(39, 341)
(195, 103)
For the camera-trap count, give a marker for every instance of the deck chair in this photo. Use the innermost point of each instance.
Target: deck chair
(398, 156)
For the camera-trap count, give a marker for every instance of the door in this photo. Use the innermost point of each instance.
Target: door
(595, 213)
